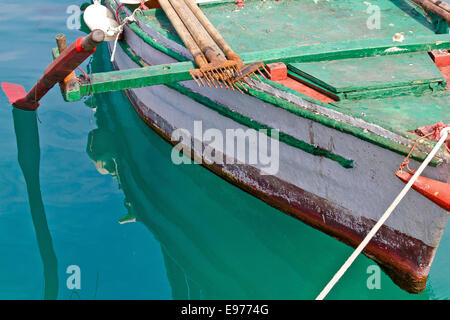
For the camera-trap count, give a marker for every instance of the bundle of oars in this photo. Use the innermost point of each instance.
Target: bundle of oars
(218, 65)
(438, 7)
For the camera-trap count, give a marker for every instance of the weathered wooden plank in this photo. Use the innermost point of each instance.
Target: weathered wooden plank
(349, 49)
(371, 72)
(130, 78)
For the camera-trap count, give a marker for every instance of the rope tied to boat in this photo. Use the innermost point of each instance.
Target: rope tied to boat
(435, 132)
(119, 30)
(405, 162)
(444, 133)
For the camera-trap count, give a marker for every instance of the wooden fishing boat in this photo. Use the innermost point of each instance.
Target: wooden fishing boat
(345, 112)
(352, 86)
(234, 253)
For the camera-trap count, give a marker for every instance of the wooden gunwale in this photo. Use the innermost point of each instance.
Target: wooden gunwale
(244, 120)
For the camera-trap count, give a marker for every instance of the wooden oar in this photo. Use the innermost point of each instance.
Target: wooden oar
(444, 5)
(213, 32)
(199, 34)
(244, 72)
(439, 8)
(187, 39)
(219, 69)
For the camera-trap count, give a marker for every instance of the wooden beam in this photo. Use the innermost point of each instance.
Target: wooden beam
(129, 79)
(175, 72)
(349, 49)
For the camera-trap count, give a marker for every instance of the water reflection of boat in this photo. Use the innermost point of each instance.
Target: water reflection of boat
(206, 253)
(28, 149)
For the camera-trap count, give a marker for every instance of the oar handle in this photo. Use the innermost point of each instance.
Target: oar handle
(183, 33)
(440, 9)
(200, 35)
(62, 45)
(213, 32)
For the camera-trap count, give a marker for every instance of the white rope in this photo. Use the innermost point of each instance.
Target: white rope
(444, 133)
(115, 46)
(119, 30)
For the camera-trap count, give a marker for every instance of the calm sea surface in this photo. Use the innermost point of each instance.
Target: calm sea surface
(189, 235)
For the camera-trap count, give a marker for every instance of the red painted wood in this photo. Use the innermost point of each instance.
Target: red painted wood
(277, 71)
(436, 191)
(56, 72)
(441, 58)
(446, 73)
(304, 89)
(13, 91)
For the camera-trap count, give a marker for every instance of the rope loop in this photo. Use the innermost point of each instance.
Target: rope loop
(405, 162)
(119, 30)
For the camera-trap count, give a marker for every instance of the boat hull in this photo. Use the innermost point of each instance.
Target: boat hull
(344, 203)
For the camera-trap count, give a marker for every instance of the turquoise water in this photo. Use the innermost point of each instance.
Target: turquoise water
(195, 236)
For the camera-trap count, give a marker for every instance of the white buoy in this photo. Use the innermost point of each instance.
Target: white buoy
(97, 16)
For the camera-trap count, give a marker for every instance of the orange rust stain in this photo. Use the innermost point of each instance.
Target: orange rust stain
(152, 4)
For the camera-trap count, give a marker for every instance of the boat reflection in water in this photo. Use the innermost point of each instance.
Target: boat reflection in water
(217, 242)
(28, 149)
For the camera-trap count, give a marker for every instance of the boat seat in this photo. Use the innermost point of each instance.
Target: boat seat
(371, 77)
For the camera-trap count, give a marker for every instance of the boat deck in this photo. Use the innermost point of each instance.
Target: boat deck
(305, 23)
(301, 23)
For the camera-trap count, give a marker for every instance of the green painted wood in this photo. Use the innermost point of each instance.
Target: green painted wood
(314, 85)
(369, 73)
(244, 120)
(136, 78)
(339, 125)
(306, 22)
(439, 24)
(349, 49)
(376, 44)
(155, 44)
(314, 51)
(400, 114)
(413, 89)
